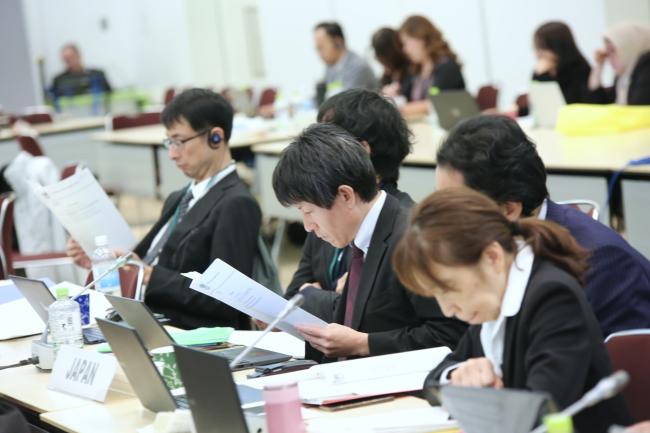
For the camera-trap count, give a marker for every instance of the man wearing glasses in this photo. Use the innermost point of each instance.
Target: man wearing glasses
(214, 217)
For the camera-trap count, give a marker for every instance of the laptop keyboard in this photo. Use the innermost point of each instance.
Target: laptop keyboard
(93, 335)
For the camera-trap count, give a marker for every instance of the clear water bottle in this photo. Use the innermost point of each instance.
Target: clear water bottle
(104, 259)
(64, 321)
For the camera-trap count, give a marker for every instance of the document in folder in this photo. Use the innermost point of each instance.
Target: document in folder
(84, 209)
(226, 284)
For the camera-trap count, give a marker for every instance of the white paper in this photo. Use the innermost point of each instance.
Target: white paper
(18, 319)
(84, 373)
(280, 342)
(84, 209)
(378, 375)
(420, 420)
(226, 284)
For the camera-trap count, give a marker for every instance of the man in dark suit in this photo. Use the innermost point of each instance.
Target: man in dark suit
(329, 178)
(493, 155)
(77, 79)
(214, 217)
(381, 130)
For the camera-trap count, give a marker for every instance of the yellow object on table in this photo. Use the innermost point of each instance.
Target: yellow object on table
(590, 119)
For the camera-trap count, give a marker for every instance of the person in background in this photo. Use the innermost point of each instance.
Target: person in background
(627, 48)
(434, 63)
(493, 155)
(214, 217)
(518, 285)
(329, 178)
(388, 51)
(382, 132)
(345, 69)
(560, 60)
(77, 79)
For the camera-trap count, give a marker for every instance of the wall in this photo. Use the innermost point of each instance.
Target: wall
(17, 88)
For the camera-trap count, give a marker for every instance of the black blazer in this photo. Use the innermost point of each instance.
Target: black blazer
(224, 224)
(554, 345)
(639, 91)
(395, 319)
(317, 255)
(447, 75)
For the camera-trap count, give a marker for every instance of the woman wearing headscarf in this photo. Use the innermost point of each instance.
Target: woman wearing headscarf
(627, 48)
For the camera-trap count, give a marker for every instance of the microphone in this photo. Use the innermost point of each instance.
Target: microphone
(291, 305)
(606, 388)
(119, 262)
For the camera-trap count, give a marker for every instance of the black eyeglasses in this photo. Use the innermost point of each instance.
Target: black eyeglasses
(178, 143)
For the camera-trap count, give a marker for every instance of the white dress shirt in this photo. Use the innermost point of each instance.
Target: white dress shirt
(367, 227)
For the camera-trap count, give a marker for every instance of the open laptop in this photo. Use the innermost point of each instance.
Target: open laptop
(40, 298)
(214, 412)
(453, 106)
(546, 101)
(153, 335)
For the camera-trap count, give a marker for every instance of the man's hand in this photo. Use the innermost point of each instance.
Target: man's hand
(336, 340)
(79, 257)
(476, 372)
(314, 284)
(340, 284)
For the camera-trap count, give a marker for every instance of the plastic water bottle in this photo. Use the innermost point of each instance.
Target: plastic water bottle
(104, 259)
(64, 321)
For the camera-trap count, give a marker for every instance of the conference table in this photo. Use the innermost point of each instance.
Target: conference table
(26, 388)
(578, 168)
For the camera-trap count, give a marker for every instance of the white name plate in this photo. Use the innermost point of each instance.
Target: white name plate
(83, 373)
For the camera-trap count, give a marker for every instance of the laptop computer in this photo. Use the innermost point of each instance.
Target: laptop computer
(214, 412)
(40, 298)
(153, 335)
(453, 106)
(546, 101)
(139, 368)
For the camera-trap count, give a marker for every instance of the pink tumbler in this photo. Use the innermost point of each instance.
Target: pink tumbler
(282, 405)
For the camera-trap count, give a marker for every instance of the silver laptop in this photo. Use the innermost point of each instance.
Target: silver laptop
(546, 100)
(454, 106)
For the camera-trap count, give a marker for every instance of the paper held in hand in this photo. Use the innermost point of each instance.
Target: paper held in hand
(226, 284)
(83, 208)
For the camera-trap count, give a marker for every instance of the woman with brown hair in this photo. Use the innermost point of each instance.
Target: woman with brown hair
(518, 284)
(434, 63)
(389, 52)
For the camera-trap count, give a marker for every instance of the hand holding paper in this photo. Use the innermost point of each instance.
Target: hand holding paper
(226, 284)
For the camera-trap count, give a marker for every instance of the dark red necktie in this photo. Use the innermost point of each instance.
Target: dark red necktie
(354, 278)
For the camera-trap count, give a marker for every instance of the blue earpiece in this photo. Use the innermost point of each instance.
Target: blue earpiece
(215, 139)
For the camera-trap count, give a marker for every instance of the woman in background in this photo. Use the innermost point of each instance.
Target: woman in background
(389, 52)
(518, 284)
(434, 63)
(627, 48)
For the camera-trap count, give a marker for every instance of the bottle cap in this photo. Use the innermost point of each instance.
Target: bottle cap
(101, 240)
(558, 423)
(62, 292)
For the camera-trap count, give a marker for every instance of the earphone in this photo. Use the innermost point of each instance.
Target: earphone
(214, 141)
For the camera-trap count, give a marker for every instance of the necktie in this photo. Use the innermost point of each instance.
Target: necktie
(181, 210)
(354, 279)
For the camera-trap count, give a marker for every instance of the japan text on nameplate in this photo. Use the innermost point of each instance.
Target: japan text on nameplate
(82, 373)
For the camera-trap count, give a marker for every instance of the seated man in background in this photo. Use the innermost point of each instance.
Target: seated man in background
(76, 79)
(493, 155)
(329, 178)
(383, 133)
(344, 69)
(214, 217)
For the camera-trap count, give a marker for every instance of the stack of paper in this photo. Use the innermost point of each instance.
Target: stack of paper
(359, 378)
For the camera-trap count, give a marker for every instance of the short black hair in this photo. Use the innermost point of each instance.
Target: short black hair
(371, 117)
(332, 29)
(202, 108)
(318, 161)
(496, 157)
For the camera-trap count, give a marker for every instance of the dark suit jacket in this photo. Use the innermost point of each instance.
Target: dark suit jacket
(317, 255)
(395, 319)
(618, 283)
(447, 75)
(223, 224)
(553, 345)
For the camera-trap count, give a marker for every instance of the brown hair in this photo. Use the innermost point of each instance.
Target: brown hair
(388, 50)
(417, 26)
(453, 226)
